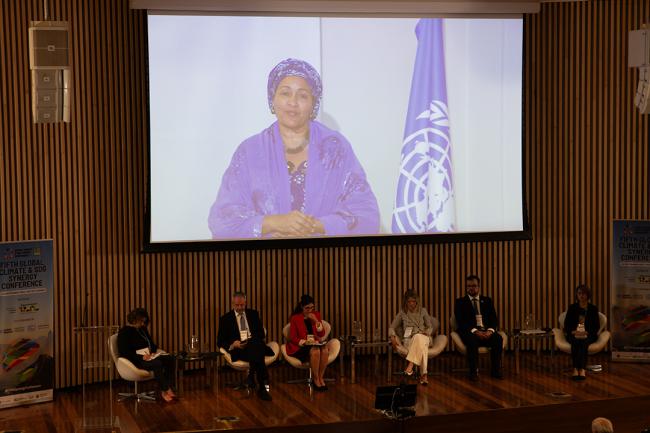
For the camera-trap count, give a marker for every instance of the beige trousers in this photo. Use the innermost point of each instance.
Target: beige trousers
(418, 347)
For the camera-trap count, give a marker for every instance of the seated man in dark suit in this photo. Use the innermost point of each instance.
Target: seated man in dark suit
(241, 333)
(477, 326)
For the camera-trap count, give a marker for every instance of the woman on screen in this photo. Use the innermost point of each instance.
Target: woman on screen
(297, 177)
(307, 340)
(581, 326)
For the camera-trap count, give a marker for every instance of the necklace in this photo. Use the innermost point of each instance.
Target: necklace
(297, 149)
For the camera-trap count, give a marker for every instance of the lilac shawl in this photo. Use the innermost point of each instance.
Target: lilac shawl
(256, 183)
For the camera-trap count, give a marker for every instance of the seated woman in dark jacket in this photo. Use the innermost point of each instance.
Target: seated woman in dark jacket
(581, 326)
(135, 344)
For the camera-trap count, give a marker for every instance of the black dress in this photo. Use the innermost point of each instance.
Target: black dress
(303, 353)
(580, 346)
(130, 339)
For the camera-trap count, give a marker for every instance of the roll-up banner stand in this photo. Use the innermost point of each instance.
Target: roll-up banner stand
(630, 291)
(26, 358)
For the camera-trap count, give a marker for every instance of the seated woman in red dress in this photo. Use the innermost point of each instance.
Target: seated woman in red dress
(306, 332)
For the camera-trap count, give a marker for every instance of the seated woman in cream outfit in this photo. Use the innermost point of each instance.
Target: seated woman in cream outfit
(414, 327)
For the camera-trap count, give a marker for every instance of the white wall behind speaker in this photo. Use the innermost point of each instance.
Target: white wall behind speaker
(638, 45)
(49, 61)
(639, 57)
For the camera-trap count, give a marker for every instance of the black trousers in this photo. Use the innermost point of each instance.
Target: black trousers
(579, 350)
(472, 342)
(253, 353)
(163, 370)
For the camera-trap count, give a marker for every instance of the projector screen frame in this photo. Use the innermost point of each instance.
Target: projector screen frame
(333, 241)
(348, 8)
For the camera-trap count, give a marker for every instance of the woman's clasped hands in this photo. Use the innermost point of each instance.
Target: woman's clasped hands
(294, 223)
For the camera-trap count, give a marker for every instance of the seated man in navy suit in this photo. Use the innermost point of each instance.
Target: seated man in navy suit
(241, 333)
(477, 326)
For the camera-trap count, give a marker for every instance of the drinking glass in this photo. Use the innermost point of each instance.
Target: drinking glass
(194, 347)
(357, 331)
(528, 322)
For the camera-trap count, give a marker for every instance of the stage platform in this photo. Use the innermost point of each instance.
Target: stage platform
(541, 398)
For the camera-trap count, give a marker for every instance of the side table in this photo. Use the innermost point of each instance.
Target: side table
(354, 344)
(211, 366)
(535, 335)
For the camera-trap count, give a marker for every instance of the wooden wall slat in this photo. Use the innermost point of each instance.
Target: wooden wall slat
(83, 184)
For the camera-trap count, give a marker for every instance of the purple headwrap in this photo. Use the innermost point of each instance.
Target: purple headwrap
(295, 68)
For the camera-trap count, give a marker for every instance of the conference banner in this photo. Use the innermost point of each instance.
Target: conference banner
(630, 291)
(26, 358)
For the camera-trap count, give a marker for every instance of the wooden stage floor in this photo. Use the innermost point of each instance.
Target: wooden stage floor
(450, 403)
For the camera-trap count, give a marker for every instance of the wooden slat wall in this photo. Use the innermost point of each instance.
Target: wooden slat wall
(83, 184)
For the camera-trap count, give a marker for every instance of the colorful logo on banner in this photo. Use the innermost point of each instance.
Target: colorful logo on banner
(630, 291)
(26, 358)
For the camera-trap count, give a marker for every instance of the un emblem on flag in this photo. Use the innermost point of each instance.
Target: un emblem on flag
(425, 197)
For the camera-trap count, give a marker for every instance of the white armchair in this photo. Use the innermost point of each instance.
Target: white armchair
(130, 372)
(244, 365)
(460, 346)
(436, 345)
(333, 345)
(597, 346)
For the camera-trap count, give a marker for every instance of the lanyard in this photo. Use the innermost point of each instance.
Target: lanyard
(144, 335)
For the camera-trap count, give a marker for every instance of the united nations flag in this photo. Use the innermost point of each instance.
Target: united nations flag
(424, 201)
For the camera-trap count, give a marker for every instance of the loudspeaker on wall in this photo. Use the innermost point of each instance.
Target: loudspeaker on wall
(49, 61)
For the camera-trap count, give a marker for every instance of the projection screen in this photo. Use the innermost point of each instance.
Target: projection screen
(416, 134)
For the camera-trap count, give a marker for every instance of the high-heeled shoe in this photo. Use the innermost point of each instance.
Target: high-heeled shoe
(424, 380)
(167, 396)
